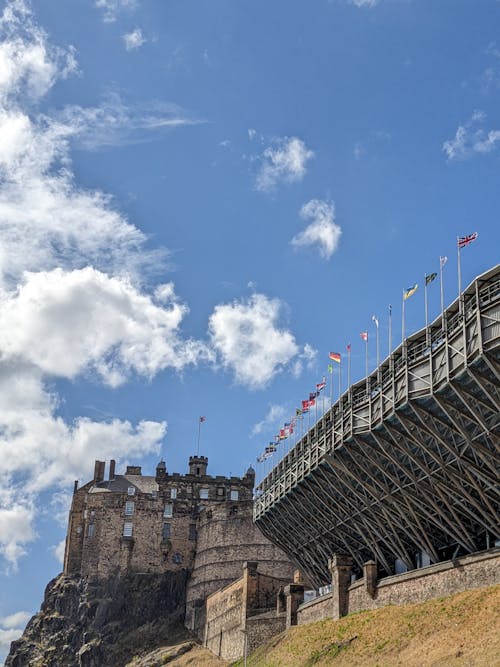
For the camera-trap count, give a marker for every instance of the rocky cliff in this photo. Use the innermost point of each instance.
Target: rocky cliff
(102, 623)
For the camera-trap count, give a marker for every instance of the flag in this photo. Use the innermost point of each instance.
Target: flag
(349, 347)
(202, 419)
(298, 412)
(409, 292)
(305, 406)
(313, 395)
(465, 240)
(364, 335)
(335, 356)
(330, 368)
(374, 318)
(321, 385)
(429, 278)
(442, 261)
(282, 435)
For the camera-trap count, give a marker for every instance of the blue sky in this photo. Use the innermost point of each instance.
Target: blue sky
(200, 200)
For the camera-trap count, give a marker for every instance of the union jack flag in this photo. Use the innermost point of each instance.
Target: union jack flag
(465, 240)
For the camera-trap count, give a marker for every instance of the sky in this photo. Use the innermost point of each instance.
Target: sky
(198, 202)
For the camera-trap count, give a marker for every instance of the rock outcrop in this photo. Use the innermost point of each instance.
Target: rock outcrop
(102, 623)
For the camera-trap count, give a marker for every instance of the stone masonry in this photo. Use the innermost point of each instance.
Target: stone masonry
(139, 523)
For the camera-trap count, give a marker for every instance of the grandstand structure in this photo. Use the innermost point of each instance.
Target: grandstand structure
(403, 469)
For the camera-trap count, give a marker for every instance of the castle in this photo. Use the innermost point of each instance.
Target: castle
(170, 522)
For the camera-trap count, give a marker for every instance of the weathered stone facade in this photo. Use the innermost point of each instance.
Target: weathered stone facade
(134, 523)
(139, 523)
(420, 585)
(241, 616)
(227, 538)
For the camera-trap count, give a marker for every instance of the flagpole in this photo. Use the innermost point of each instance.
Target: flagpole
(459, 277)
(349, 365)
(403, 321)
(441, 265)
(199, 434)
(390, 329)
(366, 358)
(375, 319)
(331, 385)
(340, 379)
(425, 302)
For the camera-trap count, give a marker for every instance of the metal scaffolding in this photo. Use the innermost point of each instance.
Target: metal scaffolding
(407, 460)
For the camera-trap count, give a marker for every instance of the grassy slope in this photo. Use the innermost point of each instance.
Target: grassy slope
(462, 629)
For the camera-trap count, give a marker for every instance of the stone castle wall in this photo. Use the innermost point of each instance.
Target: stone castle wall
(243, 611)
(227, 538)
(438, 580)
(136, 523)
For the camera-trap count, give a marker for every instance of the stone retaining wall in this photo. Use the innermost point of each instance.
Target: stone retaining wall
(441, 579)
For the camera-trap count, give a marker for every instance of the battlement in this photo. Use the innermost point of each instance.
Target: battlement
(145, 523)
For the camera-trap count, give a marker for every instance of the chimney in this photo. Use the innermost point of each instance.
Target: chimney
(133, 470)
(75, 488)
(112, 465)
(99, 471)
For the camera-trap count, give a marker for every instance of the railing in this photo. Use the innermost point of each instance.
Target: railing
(429, 357)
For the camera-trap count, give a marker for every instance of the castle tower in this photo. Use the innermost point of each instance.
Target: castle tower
(198, 465)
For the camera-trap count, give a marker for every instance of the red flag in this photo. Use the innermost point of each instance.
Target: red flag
(348, 347)
(364, 335)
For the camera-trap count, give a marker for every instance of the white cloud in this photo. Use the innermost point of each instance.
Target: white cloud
(8, 636)
(28, 67)
(11, 628)
(134, 40)
(112, 8)
(114, 123)
(71, 295)
(16, 530)
(59, 550)
(364, 3)
(275, 414)
(65, 322)
(16, 620)
(470, 139)
(322, 230)
(306, 358)
(246, 336)
(284, 162)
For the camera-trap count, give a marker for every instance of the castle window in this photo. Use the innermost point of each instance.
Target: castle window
(173, 493)
(177, 558)
(154, 494)
(166, 531)
(90, 530)
(127, 529)
(192, 531)
(234, 494)
(204, 494)
(129, 507)
(168, 511)
(220, 491)
(131, 490)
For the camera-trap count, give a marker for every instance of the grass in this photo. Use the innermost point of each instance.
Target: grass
(462, 630)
